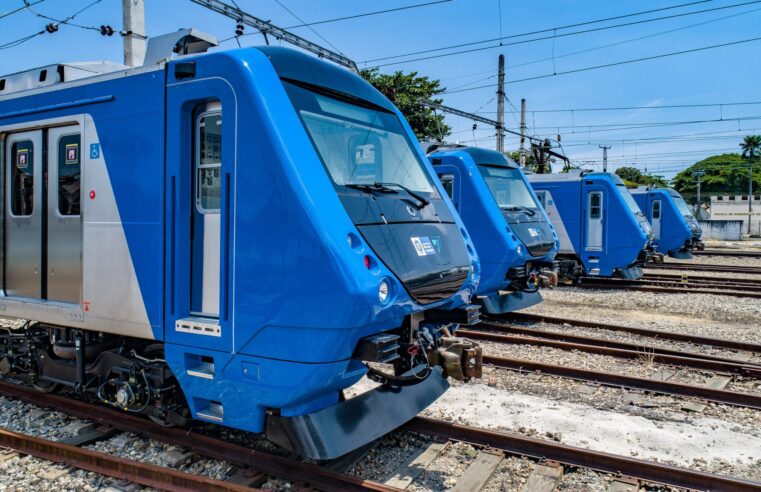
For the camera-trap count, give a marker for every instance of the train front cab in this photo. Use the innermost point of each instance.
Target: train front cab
(337, 248)
(514, 238)
(597, 222)
(676, 233)
(214, 240)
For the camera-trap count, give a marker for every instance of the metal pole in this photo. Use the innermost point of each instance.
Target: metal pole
(523, 133)
(698, 174)
(750, 195)
(605, 157)
(501, 105)
(133, 16)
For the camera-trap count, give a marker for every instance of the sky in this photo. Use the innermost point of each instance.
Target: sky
(634, 103)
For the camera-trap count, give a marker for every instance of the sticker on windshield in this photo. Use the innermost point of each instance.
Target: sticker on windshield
(423, 246)
(533, 232)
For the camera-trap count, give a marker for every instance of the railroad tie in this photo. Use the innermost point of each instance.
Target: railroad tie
(544, 477)
(480, 471)
(716, 382)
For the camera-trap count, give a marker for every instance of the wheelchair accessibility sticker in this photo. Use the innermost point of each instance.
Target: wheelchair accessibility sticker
(423, 246)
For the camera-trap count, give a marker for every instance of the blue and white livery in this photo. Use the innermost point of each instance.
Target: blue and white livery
(676, 233)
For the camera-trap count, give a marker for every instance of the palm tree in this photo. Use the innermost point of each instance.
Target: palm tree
(751, 147)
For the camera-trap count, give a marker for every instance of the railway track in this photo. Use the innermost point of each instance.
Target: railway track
(663, 335)
(549, 454)
(752, 284)
(704, 268)
(256, 462)
(671, 287)
(737, 254)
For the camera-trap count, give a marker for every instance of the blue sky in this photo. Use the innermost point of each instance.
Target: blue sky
(664, 140)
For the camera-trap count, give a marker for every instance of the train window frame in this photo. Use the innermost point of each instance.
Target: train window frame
(592, 213)
(656, 209)
(14, 170)
(60, 164)
(447, 182)
(198, 167)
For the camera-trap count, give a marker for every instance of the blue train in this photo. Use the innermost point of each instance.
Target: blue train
(230, 237)
(676, 232)
(515, 240)
(602, 231)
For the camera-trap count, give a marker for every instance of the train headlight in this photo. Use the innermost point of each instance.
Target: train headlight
(520, 250)
(383, 291)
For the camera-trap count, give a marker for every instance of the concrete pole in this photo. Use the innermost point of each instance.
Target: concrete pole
(501, 105)
(133, 14)
(750, 195)
(523, 133)
(605, 157)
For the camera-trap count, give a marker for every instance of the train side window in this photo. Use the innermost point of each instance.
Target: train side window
(541, 197)
(595, 205)
(69, 174)
(209, 162)
(657, 209)
(22, 178)
(447, 181)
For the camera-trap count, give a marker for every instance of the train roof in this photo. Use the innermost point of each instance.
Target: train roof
(574, 175)
(480, 156)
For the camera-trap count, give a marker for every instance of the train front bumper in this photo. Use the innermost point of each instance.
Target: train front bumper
(348, 425)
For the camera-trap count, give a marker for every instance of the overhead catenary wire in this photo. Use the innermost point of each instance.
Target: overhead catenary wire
(554, 35)
(50, 28)
(350, 17)
(19, 9)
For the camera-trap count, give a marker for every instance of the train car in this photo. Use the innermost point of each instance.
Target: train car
(676, 232)
(515, 240)
(230, 236)
(602, 231)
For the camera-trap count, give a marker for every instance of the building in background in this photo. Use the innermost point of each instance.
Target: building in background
(735, 207)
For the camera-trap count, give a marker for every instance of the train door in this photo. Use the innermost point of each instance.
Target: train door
(655, 218)
(595, 212)
(64, 219)
(205, 222)
(24, 215)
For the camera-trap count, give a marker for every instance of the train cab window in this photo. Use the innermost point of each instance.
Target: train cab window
(595, 205)
(447, 181)
(209, 162)
(22, 178)
(69, 174)
(656, 209)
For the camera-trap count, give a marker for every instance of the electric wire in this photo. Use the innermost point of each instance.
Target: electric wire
(524, 41)
(310, 27)
(19, 9)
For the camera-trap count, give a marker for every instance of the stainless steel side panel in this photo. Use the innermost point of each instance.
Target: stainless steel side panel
(64, 268)
(23, 234)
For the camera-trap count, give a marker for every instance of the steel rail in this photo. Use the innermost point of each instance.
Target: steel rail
(665, 335)
(694, 282)
(702, 279)
(734, 398)
(648, 471)
(702, 267)
(636, 285)
(155, 476)
(235, 454)
(690, 360)
(739, 254)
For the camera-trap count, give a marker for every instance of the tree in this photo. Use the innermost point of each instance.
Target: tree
(725, 174)
(406, 90)
(633, 178)
(751, 147)
(516, 156)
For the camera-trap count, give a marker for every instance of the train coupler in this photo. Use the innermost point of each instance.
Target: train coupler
(470, 314)
(460, 358)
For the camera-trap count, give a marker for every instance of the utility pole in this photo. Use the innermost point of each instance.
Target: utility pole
(133, 16)
(698, 174)
(501, 105)
(523, 133)
(750, 195)
(605, 157)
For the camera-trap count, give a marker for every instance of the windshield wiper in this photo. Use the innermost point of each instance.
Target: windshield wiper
(516, 208)
(423, 201)
(370, 188)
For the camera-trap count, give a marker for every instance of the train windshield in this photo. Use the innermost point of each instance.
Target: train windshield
(682, 206)
(359, 144)
(509, 188)
(629, 199)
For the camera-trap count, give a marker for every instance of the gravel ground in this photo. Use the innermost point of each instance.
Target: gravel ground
(639, 340)
(698, 273)
(719, 260)
(705, 315)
